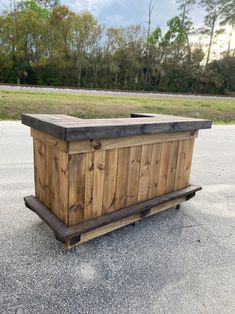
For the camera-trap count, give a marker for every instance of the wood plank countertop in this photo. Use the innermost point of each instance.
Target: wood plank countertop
(69, 128)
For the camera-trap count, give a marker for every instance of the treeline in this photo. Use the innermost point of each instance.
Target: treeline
(45, 43)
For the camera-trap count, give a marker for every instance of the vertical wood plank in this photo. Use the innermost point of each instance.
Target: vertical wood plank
(89, 179)
(122, 178)
(98, 184)
(51, 178)
(49, 192)
(154, 171)
(133, 175)
(59, 179)
(165, 153)
(77, 168)
(188, 164)
(179, 164)
(184, 164)
(39, 168)
(110, 180)
(174, 150)
(145, 166)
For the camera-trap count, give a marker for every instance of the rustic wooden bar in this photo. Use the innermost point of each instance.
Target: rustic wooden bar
(93, 176)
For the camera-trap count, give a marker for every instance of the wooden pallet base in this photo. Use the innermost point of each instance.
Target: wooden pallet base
(77, 234)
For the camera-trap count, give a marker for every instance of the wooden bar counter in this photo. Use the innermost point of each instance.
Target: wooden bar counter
(93, 176)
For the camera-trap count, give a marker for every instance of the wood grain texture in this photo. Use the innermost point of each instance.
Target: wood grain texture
(59, 182)
(98, 183)
(163, 172)
(77, 172)
(172, 166)
(145, 167)
(133, 175)
(50, 140)
(89, 184)
(184, 164)
(51, 178)
(103, 181)
(111, 163)
(154, 171)
(122, 178)
(39, 168)
(130, 141)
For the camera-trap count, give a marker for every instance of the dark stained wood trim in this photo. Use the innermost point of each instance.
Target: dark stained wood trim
(205, 124)
(102, 132)
(79, 129)
(44, 126)
(65, 233)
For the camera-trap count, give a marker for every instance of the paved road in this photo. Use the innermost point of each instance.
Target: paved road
(106, 92)
(175, 262)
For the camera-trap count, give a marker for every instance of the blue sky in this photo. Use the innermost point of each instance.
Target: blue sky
(125, 12)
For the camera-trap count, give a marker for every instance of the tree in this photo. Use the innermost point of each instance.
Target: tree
(150, 11)
(228, 17)
(184, 7)
(42, 42)
(213, 9)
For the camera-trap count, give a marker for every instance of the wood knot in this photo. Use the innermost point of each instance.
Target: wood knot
(41, 152)
(100, 166)
(97, 146)
(77, 207)
(91, 167)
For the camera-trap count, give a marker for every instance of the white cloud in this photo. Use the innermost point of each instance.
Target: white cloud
(94, 6)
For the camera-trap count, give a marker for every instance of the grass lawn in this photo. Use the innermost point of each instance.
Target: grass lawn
(13, 103)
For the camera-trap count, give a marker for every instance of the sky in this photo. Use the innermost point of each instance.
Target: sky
(125, 12)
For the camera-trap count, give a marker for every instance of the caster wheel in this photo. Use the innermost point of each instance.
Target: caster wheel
(134, 223)
(178, 207)
(73, 249)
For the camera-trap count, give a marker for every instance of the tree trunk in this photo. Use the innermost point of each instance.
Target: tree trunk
(211, 39)
(229, 43)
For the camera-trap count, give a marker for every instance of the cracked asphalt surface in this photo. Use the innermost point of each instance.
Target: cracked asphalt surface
(174, 262)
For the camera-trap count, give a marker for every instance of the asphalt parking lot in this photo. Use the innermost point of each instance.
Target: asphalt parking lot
(174, 262)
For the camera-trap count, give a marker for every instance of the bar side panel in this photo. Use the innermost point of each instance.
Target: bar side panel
(101, 182)
(51, 178)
